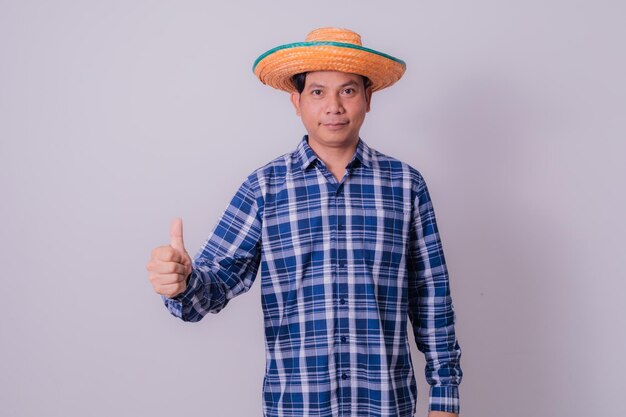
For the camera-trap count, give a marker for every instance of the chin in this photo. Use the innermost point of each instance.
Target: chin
(338, 140)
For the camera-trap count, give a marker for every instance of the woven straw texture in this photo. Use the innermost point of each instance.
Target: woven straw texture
(327, 49)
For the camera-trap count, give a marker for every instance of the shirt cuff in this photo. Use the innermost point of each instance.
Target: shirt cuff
(175, 304)
(445, 398)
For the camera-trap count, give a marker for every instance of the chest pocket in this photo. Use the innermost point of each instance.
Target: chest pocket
(385, 235)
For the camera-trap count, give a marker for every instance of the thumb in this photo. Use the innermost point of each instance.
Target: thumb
(176, 235)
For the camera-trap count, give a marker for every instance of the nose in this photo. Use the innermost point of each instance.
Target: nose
(334, 104)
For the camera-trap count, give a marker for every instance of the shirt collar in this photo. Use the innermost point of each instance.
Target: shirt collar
(363, 154)
(306, 156)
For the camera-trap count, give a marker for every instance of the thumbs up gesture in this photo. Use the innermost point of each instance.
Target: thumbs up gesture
(170, 265)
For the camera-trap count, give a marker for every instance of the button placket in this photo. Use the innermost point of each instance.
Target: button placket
(341, 277)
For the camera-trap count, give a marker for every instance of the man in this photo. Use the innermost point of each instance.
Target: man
(348, 246)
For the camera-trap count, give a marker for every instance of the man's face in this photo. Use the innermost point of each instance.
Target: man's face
(332, 107)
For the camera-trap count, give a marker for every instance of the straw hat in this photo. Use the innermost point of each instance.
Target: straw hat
(327, 49)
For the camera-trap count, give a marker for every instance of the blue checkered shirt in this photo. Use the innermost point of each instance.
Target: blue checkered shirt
(343, 265)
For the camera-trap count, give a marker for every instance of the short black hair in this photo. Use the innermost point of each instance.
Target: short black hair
(299, 80)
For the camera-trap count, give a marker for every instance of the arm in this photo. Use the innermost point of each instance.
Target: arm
(442, 414)
(227, 264)
(430, 307)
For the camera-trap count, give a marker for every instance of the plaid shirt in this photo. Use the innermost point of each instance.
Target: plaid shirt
(343, 265)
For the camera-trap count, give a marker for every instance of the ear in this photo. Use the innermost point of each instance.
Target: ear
(295, 100)
(368, 98)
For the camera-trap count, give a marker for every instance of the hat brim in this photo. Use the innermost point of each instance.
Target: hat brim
(276, 66)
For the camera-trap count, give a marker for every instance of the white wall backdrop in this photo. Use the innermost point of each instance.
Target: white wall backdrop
(117, 116)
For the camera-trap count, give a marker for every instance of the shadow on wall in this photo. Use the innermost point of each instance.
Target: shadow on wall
(510, 253)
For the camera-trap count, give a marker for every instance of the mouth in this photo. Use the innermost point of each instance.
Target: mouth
(335, 125)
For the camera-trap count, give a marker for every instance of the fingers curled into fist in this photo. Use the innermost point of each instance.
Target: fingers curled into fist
(169, 266)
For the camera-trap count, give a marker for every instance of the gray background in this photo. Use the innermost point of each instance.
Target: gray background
(116, 116)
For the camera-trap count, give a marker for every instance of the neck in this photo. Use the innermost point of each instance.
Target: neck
(335, 157)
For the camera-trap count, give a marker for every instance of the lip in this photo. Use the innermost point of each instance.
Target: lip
(335, 125)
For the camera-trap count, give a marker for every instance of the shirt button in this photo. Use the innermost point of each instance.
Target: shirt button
(344, 376)
(343, 339)
(342, 301)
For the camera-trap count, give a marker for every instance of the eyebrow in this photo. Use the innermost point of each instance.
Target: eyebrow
(349, 83)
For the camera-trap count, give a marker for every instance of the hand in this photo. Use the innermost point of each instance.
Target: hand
(441, 414)
(169, 266)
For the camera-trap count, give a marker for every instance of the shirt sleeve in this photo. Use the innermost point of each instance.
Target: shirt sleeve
(228, 262)
(430, 306)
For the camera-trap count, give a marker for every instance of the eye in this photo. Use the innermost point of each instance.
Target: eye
(349, 90)
(316, 92)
